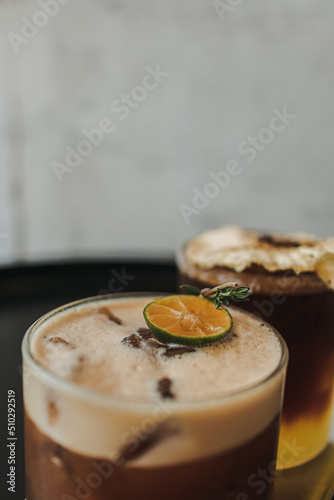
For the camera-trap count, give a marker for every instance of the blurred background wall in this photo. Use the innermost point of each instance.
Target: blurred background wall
(128, 126)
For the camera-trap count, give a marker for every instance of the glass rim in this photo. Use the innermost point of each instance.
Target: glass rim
(104, 399)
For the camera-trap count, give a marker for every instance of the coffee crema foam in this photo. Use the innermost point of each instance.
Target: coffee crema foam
(204, 411)
(238, 249)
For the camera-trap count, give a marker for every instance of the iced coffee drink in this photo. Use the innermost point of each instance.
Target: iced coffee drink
(113, 413)
(287, 292)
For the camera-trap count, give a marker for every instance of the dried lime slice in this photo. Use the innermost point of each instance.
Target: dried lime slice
(325, 269)
(187, 319)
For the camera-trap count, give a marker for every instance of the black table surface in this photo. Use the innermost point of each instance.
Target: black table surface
(27, 292)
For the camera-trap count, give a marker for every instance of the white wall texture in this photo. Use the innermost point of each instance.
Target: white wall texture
(227, 73)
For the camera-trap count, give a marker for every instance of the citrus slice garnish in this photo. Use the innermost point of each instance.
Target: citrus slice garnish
(187, 320)
(325, 269)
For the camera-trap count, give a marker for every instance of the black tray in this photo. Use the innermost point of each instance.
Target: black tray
(27, 292)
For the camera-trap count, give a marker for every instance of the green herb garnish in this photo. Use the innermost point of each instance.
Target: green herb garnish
(221, 294)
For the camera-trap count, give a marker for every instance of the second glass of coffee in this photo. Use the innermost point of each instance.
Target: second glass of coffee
(285, 291)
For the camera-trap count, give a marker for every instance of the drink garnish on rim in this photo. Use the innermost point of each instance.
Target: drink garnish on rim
(196, 319)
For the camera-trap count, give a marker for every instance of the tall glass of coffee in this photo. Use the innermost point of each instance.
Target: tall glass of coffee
(285, 291)
(113, 413)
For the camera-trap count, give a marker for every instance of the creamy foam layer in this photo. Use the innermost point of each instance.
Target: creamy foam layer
(85, 345)
(266, 263)
(239, 249)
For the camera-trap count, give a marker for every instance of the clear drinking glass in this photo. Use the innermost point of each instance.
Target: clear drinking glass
(83, 444)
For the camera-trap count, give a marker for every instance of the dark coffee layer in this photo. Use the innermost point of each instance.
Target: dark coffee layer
(306, 321)
(55, 473)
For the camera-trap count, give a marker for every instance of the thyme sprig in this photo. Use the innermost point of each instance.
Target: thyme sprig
(221, 294)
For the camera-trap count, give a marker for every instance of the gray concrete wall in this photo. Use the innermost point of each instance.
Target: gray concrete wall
(228, 72)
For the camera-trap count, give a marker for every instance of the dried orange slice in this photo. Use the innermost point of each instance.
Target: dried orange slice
(325, 269)
(187, 320)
